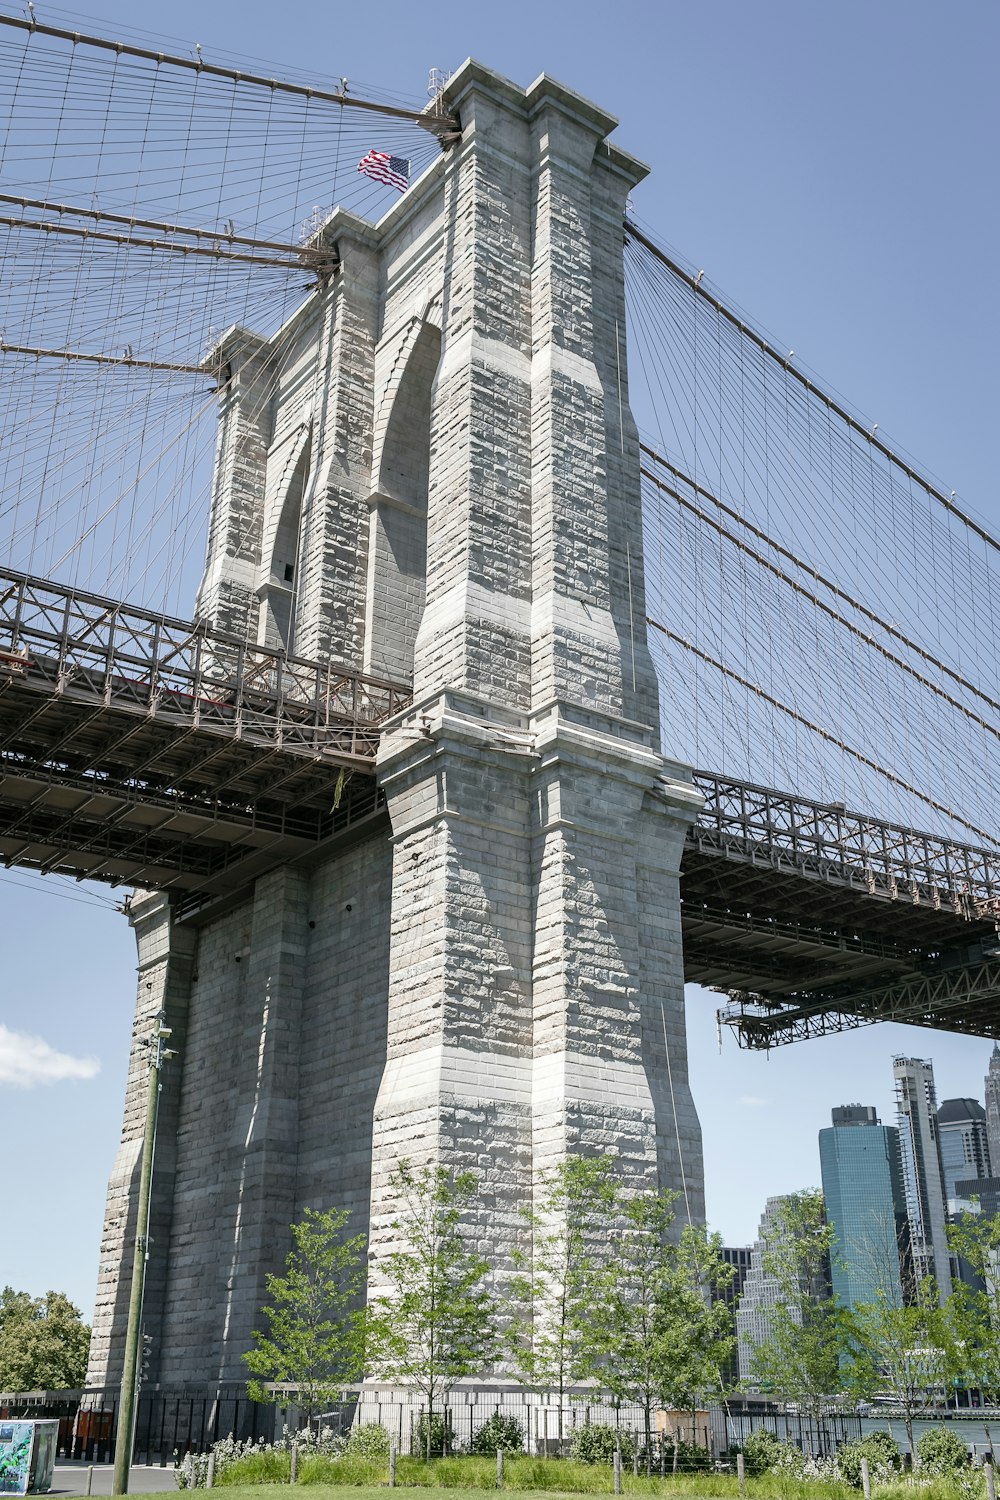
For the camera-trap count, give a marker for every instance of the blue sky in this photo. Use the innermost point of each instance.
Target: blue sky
(832, 167)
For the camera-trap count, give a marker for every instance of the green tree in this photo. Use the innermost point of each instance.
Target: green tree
(640, 1321)
(808, 1332)
(555, 1336)
(314, 1335)
(975, 1311)
(702, 1277)
(664, 1335)
(906, 1352)
(44, 1342)
(437, 1324)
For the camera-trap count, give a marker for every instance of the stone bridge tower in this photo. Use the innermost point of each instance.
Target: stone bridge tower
(432, 470)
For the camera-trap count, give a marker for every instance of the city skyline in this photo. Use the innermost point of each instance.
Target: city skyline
(957, 1149)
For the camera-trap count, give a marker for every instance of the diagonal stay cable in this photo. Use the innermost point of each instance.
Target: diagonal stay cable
(820, 604)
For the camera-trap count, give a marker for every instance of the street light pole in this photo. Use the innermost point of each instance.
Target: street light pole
(158, 1055)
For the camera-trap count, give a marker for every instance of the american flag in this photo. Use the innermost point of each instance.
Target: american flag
(394, 171)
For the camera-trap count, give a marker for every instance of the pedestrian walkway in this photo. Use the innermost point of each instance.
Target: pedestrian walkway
(70, 1478)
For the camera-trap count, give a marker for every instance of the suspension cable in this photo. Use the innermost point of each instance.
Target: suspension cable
(695, 283)
(814, 728)
(827, 609)
(437, 124)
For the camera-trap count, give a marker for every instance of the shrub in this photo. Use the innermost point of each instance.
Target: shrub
(595, 1444)
(369, 1440)
(442, 1436)
(881, 1452)
(250, 1462)
(761, 1451)
(192, 1470)
(789, 1461)
(690, 1457)
(942, 1451)
(499, 1431)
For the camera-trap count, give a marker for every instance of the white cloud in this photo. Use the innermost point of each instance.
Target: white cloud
(27, 1060)
(752, 1100)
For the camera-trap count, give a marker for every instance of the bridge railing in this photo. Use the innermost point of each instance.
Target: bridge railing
(827, 841)
(67, 642)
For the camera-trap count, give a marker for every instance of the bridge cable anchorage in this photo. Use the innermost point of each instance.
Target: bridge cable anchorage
(809, 568)
(428, 119)
(784, 361)
(825, 734)
(820, 604)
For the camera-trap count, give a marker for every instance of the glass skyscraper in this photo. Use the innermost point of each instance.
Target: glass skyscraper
(962, 1141)
(861, 1164)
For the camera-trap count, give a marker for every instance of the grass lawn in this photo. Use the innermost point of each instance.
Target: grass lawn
(724, 1486)
(707, 1485)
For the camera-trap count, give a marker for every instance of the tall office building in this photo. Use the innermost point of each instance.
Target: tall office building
(916, 1106)
(761, 1290)
(993, 1108)
(862, 1167)
(962, 1141)
(739, 1257)
(976, 1195)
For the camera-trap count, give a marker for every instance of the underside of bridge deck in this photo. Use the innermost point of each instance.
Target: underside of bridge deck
(815, 920)
(143, 750)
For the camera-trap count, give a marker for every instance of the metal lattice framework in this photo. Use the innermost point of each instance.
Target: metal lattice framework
(135, 747)
(825, 841)
(139, 748)
(81, 648)
(963, 999)
(815, 919)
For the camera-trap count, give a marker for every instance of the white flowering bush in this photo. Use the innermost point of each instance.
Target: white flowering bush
(324, 1442)
(788, 1460)
(192, 1469)
(368, 1440)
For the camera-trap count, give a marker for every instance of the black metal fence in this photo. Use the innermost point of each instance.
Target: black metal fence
(816, 1437)
(169, 1423)
(173, 1421)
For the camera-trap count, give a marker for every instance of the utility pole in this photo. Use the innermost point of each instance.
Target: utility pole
(158, 1055)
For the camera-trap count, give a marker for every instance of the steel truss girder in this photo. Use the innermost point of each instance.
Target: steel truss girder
(58, 642)
(825, 842)
(959, 998)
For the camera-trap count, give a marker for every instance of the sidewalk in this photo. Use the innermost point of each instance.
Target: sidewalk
(70, 1478)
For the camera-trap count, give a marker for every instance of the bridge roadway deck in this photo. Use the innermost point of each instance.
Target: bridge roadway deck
(140, 749)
